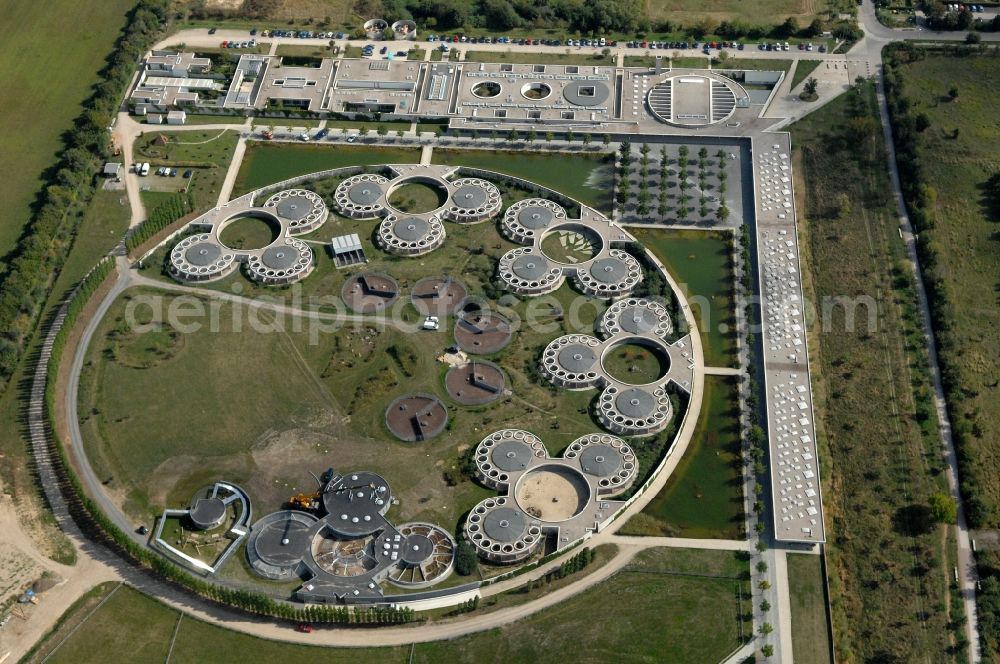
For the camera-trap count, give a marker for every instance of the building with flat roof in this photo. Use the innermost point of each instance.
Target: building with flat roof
(179, 65)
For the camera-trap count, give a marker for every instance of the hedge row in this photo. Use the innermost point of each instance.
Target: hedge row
(162, 216)
(979, 509)
(96, 525)
(46, 241)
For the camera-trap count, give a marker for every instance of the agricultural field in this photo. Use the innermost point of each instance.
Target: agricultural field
(703, 497)
(880, 463)
(51, 84)
(671, 595)
(701, 262)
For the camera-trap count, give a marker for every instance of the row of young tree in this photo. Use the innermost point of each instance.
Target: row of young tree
(47, 239)
(919, 197)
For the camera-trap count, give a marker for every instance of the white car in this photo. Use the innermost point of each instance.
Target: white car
(304, 136)
(431, 323)
(351, 139)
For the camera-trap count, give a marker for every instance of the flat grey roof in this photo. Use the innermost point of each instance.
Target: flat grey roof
(635, 402)
(364, 193)
(530, 266)
(279, 258)
(203, 253)
(511, 455)
(600, 460)
(410, 229)
(534, 216)
(294, 207)
(504, 524)
(577, 358)
(610, 270)
(637, 320)
(470, 196)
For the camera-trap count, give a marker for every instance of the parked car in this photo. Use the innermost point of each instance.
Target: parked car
(322, 133)
(188, 173)
(304, 136)
(431, 323)
(352, 139)
(211, 31)
(142, 530)
(144, 169)
(305, 628)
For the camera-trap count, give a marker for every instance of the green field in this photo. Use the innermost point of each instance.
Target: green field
(703, 497)
(682, 602)
(879, 461)
(418, 197)
(810, 633)
(700, 262)
(46, 87)
(265, 164)
(756, 12)
(585, 177)
(249, 232)
(636, 364)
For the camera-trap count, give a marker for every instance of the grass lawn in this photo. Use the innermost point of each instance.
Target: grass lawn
(876, 458)
(266, 163)
(206, 152)
(685, 602)
(700, 262)
(214, 119)
(308, 51)
(543, 58)
(803, 70)
(810, 635)
(249, 233)
(128, 623)
(418, 197)
(50, 83)
(703, 497)
(585, 177)
(636, 364)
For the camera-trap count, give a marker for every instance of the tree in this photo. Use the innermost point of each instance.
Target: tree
(766, 629)
(809, 89)
(953, 92)
(761, 566)
(606, 140)
(382, 130)
(363, 131)
(765, 606)
(532, 135)
(466, 561)
(513, 136)
(767, 651)
(549, 136)
(587, 138)
(764, 584)
(973, 38)
(943, 508)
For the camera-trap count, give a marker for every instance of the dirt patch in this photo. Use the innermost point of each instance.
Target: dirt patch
(554, 494)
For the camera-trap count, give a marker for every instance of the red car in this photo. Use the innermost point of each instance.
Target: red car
(305, 628)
